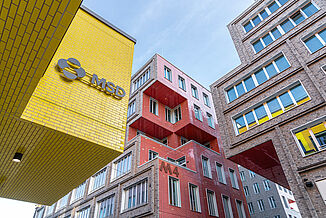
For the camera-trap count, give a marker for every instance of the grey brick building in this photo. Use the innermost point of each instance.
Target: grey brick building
(272, 106)
(267, 199)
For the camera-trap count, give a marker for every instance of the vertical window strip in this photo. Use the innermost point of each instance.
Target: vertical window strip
(83, 213)
(272, 108)
(287, 25)
(141, 80)
(131, 109)
(135, 195)
(121, 166)
(174, 192)
(316, 41)
(98, 180)
(211, 202)
(106, 207)
(278, 63)
(194, 198)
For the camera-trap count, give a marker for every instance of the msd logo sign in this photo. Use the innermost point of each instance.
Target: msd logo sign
(71, 69)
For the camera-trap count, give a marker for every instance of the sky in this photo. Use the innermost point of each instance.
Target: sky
(191, 34)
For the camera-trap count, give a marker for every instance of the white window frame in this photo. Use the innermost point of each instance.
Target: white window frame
(199, 113)
(183, 82)
(92, 179)
(151, 106)
(229, 205)
(152, 152)
(194, 92)
(316, 34)
(208, 166)
(210, 120)
(128, 157)
(223, 173)
(206, 100)
(214, 203)
(251, 209)
(267, 185)
(98, 203)
(241, 207)
(167, 73)
(261, 207)
(272, 202)
(131, 108)
(256, 190)
(236, 185)
(178, 192)
(197, 197)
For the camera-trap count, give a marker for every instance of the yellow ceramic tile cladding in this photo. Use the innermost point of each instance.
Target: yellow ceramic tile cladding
(74, 107)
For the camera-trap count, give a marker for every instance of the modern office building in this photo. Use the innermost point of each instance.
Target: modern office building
(267, 199)
(272, 106)
(64, 91)
(173, 164)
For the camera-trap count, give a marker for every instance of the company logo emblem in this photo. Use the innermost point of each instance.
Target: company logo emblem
(71, 68)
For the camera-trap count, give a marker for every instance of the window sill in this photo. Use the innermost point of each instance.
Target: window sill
(94, 190)
(133, 208)
(116, 178)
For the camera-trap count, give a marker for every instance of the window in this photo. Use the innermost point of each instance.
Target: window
(272, 202)
(153, 106)
(131, 109)
(134, 195)
(252, 174)
(280, 187)
(121, 166)
(167, 73)
(277, 216)
(266, 185)
(78, 192)
(261, 205)
(168, 116)
(206, 167)
(173, 115)
(316, 41)
(211, 202)
(242, 176)
(97, 181)
(210, 120)
(288, 24)
(141, 80)
(206, 100)
(263, 14)
(181, 161)
(220, 173)
(240, 209)
(198, 114)
(152, 155)
(272, 108)
(83, 213)
(256, 188)
(285, 202)
(49, 209)
(194, 198)
(246, 190)
(39, 213)
(251, 208)
(177, 114)
(321, 184)
(227, 206)
(106, 207)
(164, 141)
(182, 83)
(183, 140)
(62, 202)
(174, 192)
(312, 137)
(285, 190)
(260, 76)
(290, 216)
(194, 91)
(234, 180)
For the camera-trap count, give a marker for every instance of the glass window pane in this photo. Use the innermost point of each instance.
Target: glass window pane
(282, 2)
(231, 94)
(258, 46)
(319, 131)
(240, 123)
(286, 101)
(287, 25)
(322, 34)
(270, 69)
(273, 7)
(282, 63)
(309, 9)
(267, 39)
(306, 142)
(260, 76)
(248, 26)
(261, 114)
(256, 20)
(250, 119)
(249, 83)
(240, 89)
(299, 94)
(263, 14)
(297, 18)
(276, 33)
(313, 44)
(274, 107)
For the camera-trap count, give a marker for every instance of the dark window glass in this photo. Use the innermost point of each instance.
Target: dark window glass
(263, 14)
(282, 63)
(297, 18)
(309, 9)
(267, 39)
(240, 89)
(313, 44)
(274, 107)
(286, 101)
(249, 82)
(256, 20)
(248, 26)
(322, 34)
(260, 76)
(287, 25)
(273, 7)
(282, 2)
(231, 94)
(258, 46)
(276, 33)
(270, 69)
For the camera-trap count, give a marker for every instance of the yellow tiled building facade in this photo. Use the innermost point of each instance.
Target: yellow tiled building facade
(69, 129)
